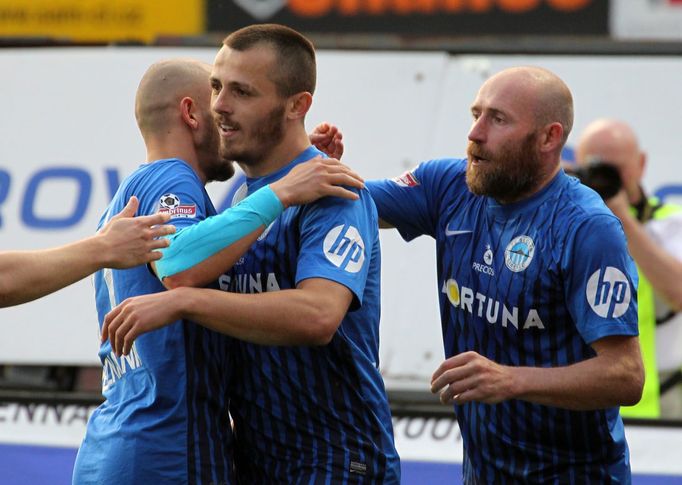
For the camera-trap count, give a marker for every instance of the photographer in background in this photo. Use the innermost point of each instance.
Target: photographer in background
(654, 234)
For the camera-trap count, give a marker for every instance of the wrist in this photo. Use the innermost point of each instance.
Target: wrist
(518, 380)
(96, 249)
(280, 190)
(183, 300)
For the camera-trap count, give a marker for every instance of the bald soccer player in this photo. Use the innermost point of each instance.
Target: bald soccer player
(654, 234)
(165, 416)
(536, 290)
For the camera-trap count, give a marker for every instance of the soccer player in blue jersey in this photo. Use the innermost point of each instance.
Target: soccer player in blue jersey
(537, 292)
(165, 417)
(309, 404)
(165, 408)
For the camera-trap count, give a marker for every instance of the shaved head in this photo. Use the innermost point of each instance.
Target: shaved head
(521, 119)
(607, 139)
(162, 88)
(173, 111)
(614, 142)
(542, 92)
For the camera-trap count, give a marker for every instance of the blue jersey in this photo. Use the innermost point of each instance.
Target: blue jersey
(531, 283)
(305, 414)
(165, 415)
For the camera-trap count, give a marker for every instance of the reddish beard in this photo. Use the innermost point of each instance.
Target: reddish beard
(507, 174)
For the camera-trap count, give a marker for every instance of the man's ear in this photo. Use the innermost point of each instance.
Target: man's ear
(551, 137)
(298, 105)
(187, 112)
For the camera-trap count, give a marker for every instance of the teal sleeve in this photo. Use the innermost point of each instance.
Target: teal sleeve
(192, 245)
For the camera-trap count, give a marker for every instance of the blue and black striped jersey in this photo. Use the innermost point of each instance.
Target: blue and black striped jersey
(306, 414)
(165, 415)
(532, 283)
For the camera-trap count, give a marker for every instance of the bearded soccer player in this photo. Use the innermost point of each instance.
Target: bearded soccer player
(309, 404)
(165, 415)
(537, 292)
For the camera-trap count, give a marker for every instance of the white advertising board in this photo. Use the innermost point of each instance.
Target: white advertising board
(646, 19)
(69, 136)
(436, 440)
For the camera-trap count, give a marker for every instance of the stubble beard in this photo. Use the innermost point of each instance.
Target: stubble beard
(264, 137)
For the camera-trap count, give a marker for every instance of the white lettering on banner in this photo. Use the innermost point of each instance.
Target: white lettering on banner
(46, 424)
(115, 368)
(429, 439)
(653, 449)
(249, 283)
(478, 303)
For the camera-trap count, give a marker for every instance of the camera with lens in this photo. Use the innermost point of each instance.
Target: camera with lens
(599, 175)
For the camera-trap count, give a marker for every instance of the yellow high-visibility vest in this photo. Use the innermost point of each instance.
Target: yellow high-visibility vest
(649, 406)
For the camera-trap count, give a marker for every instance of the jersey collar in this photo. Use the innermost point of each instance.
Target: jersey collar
(256, 183)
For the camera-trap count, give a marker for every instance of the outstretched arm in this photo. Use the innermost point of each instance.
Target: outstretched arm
(614, 377)
(125, 241)
(202, 252)
(306, 315)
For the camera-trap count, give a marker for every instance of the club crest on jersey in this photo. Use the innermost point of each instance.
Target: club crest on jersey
(519, 253)
(344, 248)
(170, 204)
(608, 292)
(407, 179)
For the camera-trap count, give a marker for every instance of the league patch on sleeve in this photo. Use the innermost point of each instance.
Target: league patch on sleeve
(170, 204)
(408, 179)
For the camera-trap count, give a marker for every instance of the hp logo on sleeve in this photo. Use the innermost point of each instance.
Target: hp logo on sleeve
(608, 292)
(343, 246)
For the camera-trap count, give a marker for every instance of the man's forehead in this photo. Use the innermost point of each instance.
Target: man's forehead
(252, 66)
(605, 147)
(506, 94)
(258, 54)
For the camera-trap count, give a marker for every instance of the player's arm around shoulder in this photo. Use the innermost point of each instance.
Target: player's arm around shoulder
(200, 254)
(412, 202)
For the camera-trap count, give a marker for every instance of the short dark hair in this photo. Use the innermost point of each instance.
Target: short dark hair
(296, 67)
